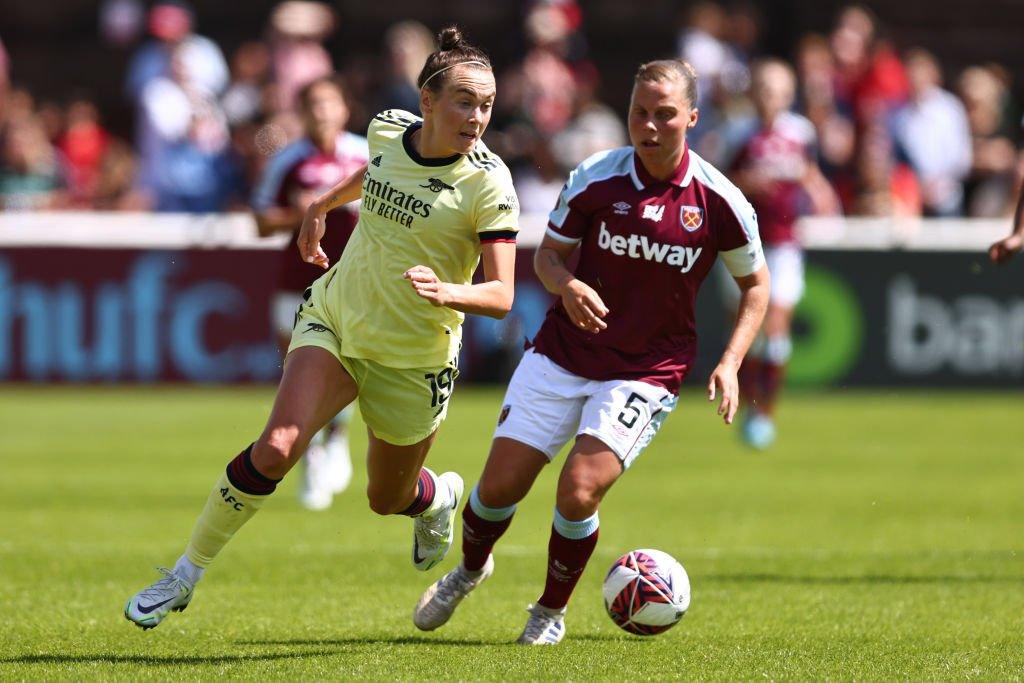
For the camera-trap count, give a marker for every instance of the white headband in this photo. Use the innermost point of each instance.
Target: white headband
(471, 61)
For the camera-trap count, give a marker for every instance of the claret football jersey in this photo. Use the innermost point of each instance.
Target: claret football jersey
(645, 247)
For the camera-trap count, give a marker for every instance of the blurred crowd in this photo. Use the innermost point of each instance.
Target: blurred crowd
(895, 133)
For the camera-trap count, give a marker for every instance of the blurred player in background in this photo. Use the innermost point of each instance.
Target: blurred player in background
(296, 176)
(777, 170)
(606, 366)
(385, 322)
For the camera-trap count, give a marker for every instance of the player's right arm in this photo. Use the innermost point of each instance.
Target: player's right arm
(315, 220)
(581, 302)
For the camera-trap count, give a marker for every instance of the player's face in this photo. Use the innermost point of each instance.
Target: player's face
(460, 113)
(773, 90)
(659, 116)
(325, 112)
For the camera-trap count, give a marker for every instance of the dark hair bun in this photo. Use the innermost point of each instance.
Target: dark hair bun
(449, 38)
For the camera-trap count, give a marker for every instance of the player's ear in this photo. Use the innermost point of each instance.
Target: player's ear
(694, 115)
(426, 100)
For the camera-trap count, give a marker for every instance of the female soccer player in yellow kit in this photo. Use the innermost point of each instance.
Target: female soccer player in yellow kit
(384, 323)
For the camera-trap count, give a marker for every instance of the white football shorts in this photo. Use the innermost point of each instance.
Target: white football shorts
(546, 405)
(785, 265)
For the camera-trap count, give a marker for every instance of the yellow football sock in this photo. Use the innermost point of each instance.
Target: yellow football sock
(227, 509)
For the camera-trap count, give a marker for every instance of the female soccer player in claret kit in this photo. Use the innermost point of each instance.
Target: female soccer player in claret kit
(605, 368)
(384, 323)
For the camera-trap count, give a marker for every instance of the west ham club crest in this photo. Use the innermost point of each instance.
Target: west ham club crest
(691, 217)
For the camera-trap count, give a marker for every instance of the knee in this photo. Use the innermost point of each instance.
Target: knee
(497, 493)
(579, 496)
(276, 451)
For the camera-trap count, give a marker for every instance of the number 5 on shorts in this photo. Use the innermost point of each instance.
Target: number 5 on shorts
(630, 412)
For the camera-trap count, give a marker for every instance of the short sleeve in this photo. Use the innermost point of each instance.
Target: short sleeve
(269, 191)
(739, 243)
(566, 222)
(496, 214)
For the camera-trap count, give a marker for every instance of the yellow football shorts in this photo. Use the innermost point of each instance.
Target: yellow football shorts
(401, 406)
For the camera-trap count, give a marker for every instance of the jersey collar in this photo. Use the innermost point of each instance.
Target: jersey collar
(680, 178)
(410, 149)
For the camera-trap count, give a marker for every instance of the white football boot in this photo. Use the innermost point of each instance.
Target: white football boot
(151, 605)
(544, 626)
(433, 534)
(438, 603)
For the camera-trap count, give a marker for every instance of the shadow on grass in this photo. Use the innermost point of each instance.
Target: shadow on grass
(403, 640)
(864, 579)
(154, 660)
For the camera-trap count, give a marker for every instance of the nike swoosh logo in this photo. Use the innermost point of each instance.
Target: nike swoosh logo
(416, 551)
(149, 608)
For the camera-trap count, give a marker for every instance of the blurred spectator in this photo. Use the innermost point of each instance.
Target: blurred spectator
(871, 80)
(932, 131)
(250, 70)
(703, 43)
(187, 165)
(539, 182)
(83, 143)
(594, 125)
(5, 69)
(31, 172)
(115, 184)
(408, 44)
(884, 186)
(986, 97)
(121, 21)
(816, 73)
(170, 23)
(297, 56)
(548, 86)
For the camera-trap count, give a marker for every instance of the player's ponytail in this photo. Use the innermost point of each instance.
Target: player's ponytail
(452, 51)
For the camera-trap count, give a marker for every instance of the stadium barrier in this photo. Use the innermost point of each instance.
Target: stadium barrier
(94, 297)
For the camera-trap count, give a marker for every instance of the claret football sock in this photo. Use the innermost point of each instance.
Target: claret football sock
(238, 495)
(569, 549)
(482, 526)
(426, 500)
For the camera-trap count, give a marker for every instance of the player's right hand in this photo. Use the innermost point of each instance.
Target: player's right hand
(1003, 250)
(312, 231)
(584, 306)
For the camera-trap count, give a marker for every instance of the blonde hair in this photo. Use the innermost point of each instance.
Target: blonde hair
(675, 70)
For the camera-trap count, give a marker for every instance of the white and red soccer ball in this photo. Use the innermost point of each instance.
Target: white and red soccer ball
(646, 592)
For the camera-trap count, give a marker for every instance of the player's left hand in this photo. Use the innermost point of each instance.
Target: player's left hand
(1003, 250)
(428, 286)
(725, 382)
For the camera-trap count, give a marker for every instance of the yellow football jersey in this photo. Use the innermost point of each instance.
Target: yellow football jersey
(415, 211)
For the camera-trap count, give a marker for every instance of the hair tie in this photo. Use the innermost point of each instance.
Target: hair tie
(471, 61)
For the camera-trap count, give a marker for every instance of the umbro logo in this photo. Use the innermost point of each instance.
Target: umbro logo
(435, 185)
(621, 208)
(376, 160)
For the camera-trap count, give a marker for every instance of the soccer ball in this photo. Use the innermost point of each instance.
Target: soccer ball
(646, 592)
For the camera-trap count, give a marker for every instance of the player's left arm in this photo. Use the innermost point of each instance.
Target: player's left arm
(492, 297)
(754, 290)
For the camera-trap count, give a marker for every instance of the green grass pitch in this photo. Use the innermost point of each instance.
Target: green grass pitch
(882, 538)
